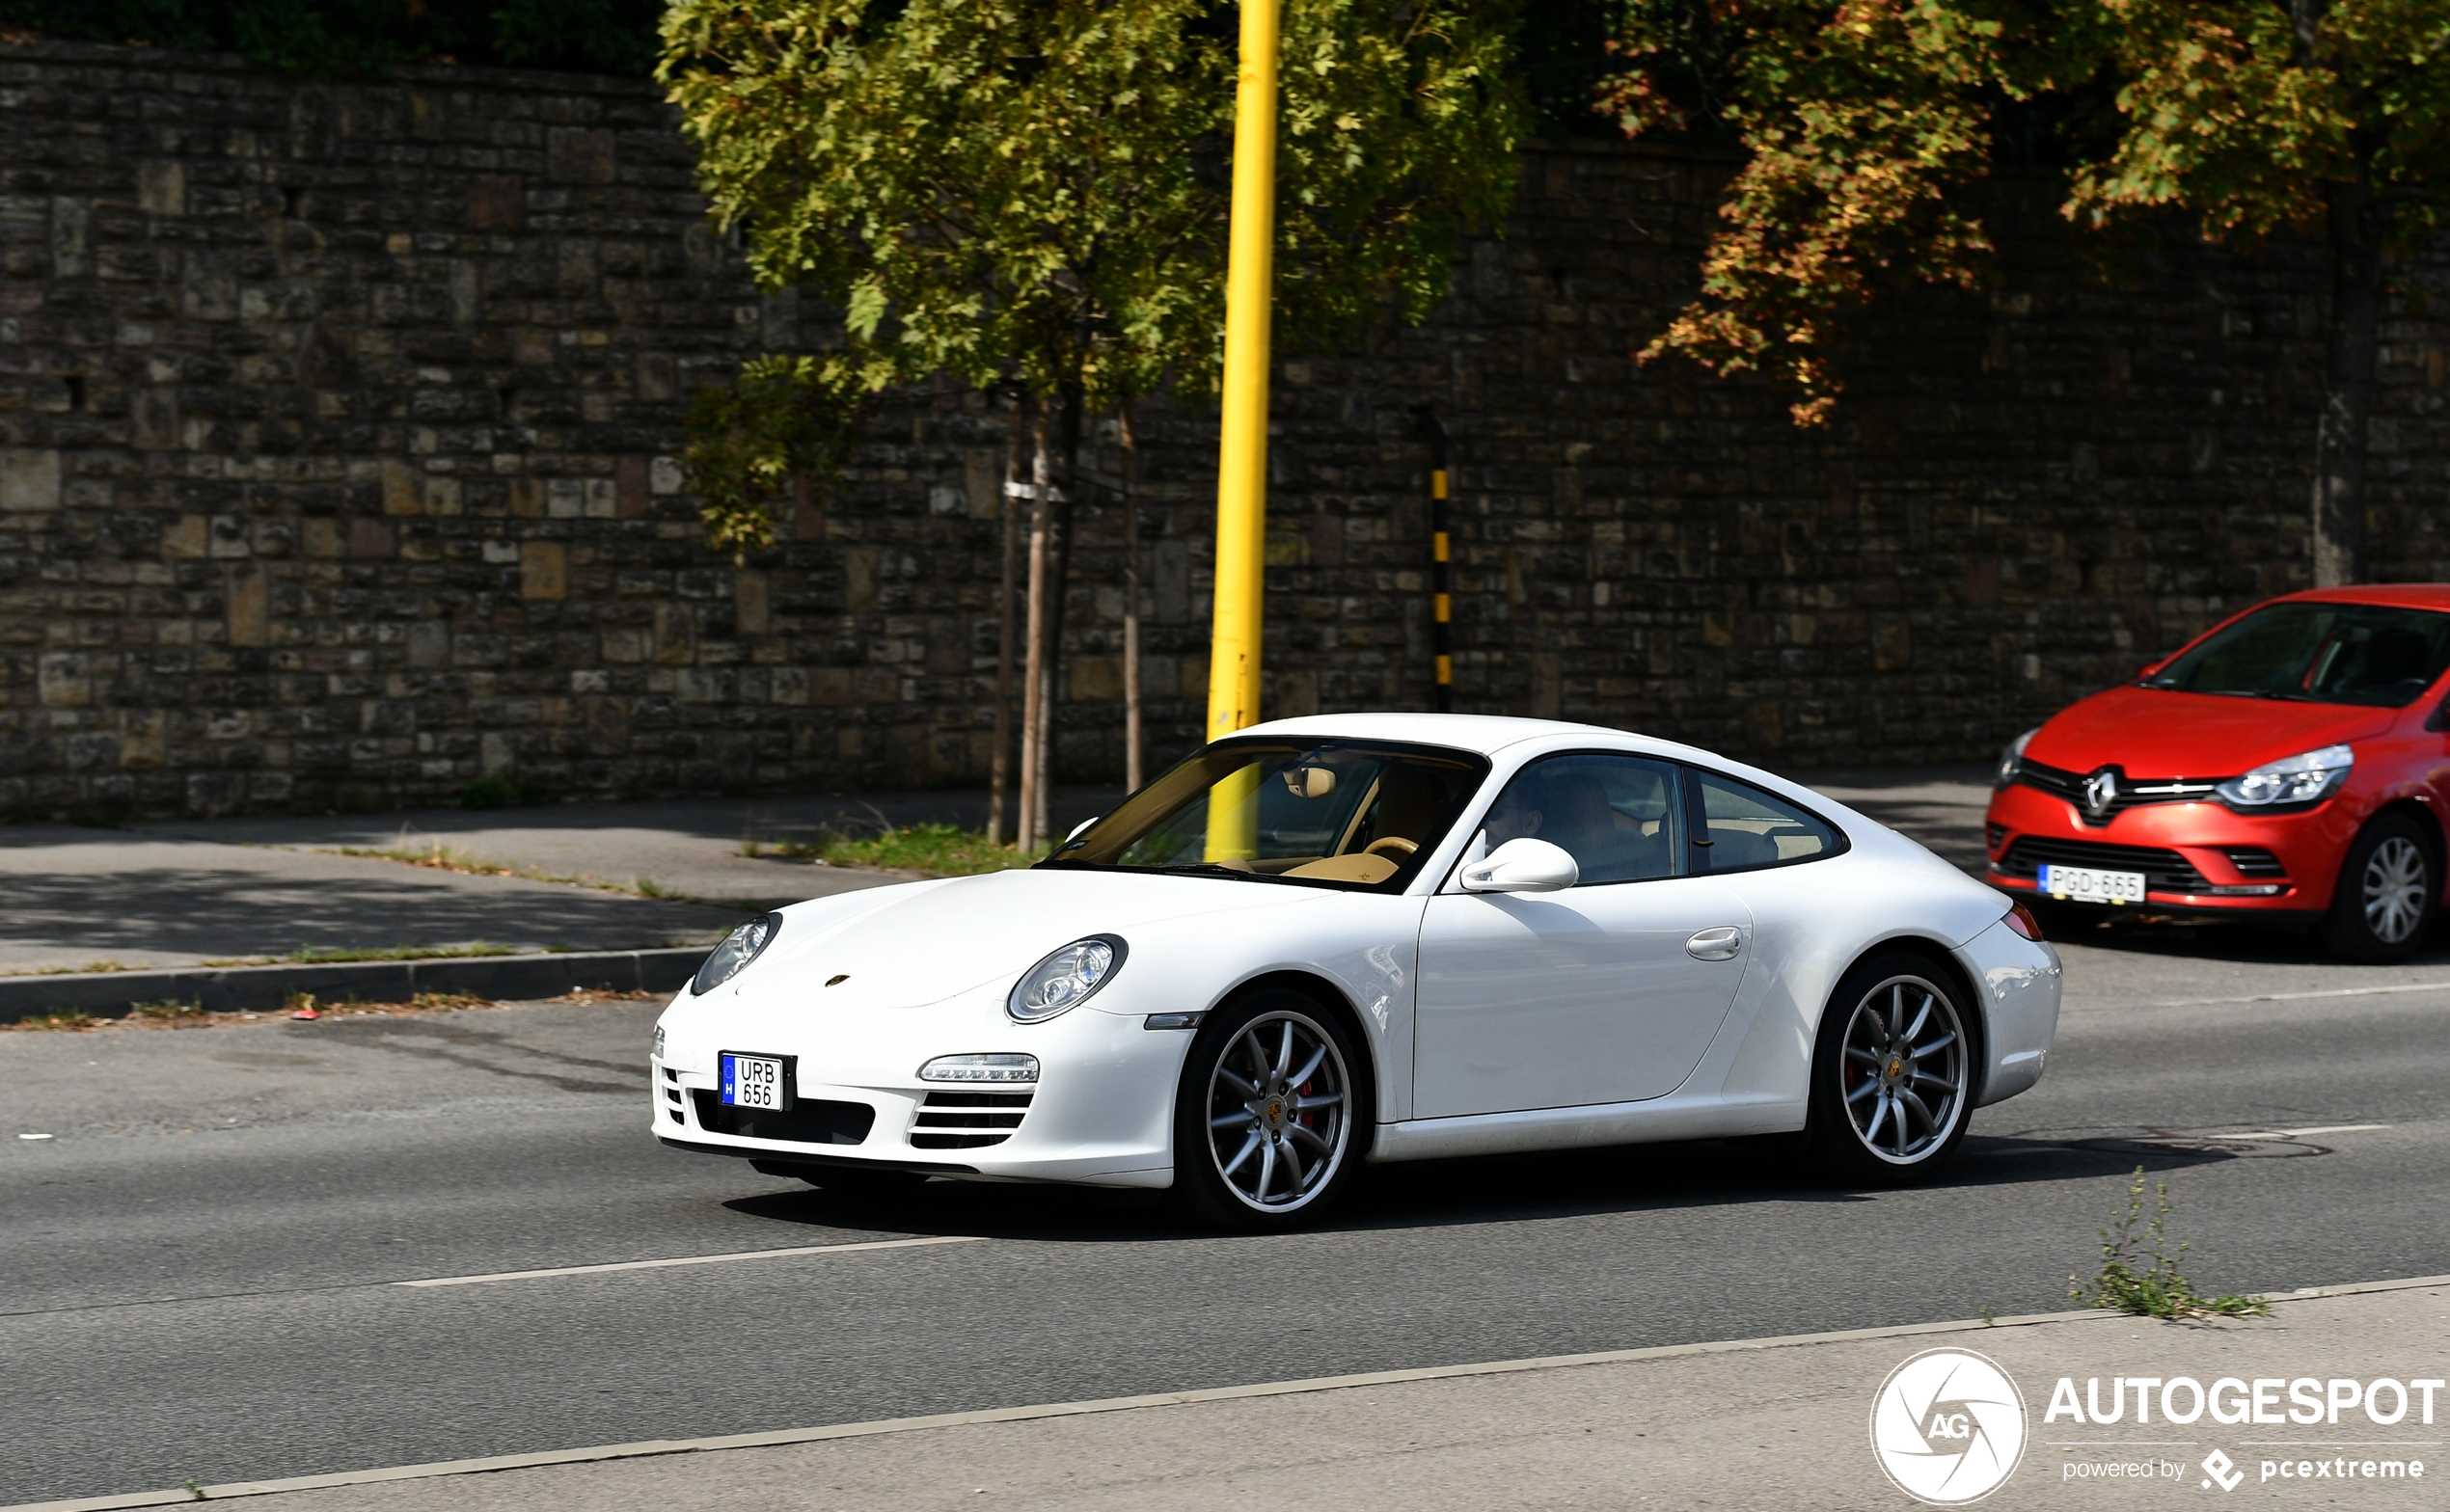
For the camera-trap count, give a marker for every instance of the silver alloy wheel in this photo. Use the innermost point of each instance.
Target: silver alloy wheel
(1903, 1070)
(2394, 890)
(1279, 1111)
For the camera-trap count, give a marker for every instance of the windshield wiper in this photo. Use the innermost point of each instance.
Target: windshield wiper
(2287, 695)
(1211, 869)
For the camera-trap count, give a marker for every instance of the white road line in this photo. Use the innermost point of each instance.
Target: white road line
(655, 1447)
(2282, 997)
(693, 1259)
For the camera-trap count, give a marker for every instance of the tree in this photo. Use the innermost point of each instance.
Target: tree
(1860, 122)
(1033, 193)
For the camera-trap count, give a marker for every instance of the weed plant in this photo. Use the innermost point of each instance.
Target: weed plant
(936, 849)
(2139, 1276)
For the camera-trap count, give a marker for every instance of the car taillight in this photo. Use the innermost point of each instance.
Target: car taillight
(2021, 919)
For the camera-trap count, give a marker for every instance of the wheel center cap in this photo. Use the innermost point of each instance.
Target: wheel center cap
(1896, 1063)
(1275, 1110)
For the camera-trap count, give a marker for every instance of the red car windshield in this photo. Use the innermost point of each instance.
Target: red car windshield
(2317, 652)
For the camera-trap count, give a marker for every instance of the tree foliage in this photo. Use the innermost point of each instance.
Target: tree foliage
(787, 423)
(1036, 189)
(1860, 122)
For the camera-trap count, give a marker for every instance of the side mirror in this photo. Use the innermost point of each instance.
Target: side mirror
(1521, 866)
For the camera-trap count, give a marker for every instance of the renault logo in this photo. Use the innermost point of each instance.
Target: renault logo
(2101, 792)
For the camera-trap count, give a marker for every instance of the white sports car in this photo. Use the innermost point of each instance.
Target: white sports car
(1374, 938)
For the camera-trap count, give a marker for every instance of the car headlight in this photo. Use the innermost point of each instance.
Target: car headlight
(996, 1067)
(1065, 979)
(2009, 757)
(739, 948)
(2304, 778)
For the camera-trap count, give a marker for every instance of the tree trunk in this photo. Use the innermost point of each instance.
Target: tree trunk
(1000, 778)
(2359, 225)
(1130, 602)
(1033, 798)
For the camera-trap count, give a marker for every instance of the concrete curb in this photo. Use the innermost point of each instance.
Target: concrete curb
(653, 1448)
(111, 994)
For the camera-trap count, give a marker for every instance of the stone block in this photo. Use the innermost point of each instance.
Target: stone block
(29, 479)
(544, 569)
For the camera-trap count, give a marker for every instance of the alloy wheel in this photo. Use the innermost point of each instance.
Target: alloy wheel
(1903, 1070)
(2395, 885)
(1279, 1111)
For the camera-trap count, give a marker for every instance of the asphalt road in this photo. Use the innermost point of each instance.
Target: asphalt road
(196, 1271)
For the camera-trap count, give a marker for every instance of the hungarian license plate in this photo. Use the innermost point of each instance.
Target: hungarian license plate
(755, 1081)
(2085, 884)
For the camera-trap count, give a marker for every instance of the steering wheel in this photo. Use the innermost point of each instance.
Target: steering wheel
(1395, 845)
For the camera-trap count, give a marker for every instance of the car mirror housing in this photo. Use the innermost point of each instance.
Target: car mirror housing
(1521, 866)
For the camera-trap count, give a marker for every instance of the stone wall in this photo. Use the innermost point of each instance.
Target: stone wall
(337, 423)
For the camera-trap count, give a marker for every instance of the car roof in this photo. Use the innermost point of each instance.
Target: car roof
(2397, 595)
(1485, 734)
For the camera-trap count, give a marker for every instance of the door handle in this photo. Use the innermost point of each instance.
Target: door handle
(1715, 944)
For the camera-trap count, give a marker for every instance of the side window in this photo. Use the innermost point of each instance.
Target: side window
(1744, 827)
(1617, 816)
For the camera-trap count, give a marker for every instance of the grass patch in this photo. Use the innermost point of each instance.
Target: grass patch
(68, 971)
(72, 1020)
(329, 954)
(937, 850)
(2139, 1276)
(169, 1011)
(436, 856)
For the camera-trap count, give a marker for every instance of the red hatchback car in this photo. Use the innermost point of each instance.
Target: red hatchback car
(2290, 764)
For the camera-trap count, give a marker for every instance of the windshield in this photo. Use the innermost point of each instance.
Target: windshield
(1335, 813)
(2320, 652)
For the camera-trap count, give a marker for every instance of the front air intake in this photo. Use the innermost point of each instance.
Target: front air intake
(967, 1119)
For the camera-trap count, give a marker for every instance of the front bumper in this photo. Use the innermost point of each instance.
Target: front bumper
(2197, 857)
(1100, 1113)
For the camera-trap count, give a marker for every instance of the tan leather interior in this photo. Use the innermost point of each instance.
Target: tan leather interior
(1364, 869)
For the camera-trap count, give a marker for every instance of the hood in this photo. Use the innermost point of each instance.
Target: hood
(2155, 733)
(924, 943)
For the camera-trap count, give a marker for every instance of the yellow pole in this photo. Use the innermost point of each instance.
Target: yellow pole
(1242, 462)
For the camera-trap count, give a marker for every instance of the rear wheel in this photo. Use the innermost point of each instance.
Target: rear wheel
(2384, 905)
(1266, 1120)
(1892, 1074)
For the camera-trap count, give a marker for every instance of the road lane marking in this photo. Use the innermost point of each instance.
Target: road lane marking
(693, 1259)
(2279, 997)
(655, 1447)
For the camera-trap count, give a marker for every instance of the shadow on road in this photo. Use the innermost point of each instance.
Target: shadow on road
(1497, 1189)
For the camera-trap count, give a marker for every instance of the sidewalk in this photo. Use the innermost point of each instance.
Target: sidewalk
(182, 893)
(1758, 1423)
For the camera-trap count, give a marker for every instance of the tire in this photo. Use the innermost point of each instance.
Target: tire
(2388, 890)
(1879, 1117)
(1260, 1145)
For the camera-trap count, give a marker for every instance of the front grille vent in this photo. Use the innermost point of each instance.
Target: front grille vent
(2165, 871)
(2132, 791)
(967, 1119)
(807, 1123)
(2256, 863)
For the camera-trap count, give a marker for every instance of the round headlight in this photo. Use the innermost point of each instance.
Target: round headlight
(739, 948)
(1065, 979)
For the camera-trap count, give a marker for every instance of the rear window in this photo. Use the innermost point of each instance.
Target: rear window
(2319, 653)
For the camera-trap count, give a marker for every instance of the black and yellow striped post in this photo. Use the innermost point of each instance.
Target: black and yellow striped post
(1441, 553)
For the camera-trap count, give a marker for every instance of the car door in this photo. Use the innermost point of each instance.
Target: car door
(1607, 991)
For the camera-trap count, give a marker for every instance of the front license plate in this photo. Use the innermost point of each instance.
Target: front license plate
(2083, 884)
(755, 1081)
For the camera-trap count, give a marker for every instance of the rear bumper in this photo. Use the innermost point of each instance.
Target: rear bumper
(2306, 847)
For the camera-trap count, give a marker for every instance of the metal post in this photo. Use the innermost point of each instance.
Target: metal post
(1241, 469)
(1441, 591)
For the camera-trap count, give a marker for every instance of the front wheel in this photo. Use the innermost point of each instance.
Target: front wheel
(1267, 1118)
(1893, 1073)
(2388, 888)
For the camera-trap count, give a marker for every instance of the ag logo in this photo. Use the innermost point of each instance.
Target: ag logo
(1947, 1427)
